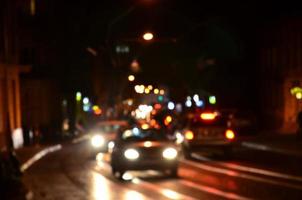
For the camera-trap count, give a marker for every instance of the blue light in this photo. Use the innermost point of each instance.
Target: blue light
(199, 103)
(86, 108)
(135, 131)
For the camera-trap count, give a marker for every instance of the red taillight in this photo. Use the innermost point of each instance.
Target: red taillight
(189, 135)
(229, 134)
(208, 116)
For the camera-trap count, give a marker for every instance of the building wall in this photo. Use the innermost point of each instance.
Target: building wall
(281, 69)
(10, 111)
(41, 104)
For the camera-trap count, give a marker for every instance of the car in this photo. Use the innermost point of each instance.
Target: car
(103, 133)
(206, 129)
(139, 149)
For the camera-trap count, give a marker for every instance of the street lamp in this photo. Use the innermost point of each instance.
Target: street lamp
(131, 78)
(148, 36)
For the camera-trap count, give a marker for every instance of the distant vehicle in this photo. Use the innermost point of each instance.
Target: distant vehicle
(207, 129)
(104, 133)
(138, 149)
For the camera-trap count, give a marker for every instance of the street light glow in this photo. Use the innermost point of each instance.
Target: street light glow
(85, 100)
(131, 78)
(148, 36)
(162, 92)
(156, 91)
(78, 96)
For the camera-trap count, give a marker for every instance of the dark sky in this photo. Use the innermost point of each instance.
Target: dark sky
(224, 31)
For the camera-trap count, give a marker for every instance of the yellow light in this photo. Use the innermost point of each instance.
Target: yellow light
(229, 134)
(189, 135)
(150, 87)
(299, 95)
(95, 107)
(162, 92)
(207, 116)
(168, 120)
(131, 78)
(145, 126)
(148, 36)
(78, 96)
(156, 91)
(147, 144)
(147, 91)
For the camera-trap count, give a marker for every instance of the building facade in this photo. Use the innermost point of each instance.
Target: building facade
(281, 71)
(10, 69)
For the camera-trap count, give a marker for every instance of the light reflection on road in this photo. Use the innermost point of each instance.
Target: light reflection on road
(100, 190)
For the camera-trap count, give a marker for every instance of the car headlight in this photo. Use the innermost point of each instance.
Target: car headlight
(179, 138)
(97, 141)
(170, 153)
(131, 154)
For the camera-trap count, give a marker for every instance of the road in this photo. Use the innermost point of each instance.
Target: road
(70, 173)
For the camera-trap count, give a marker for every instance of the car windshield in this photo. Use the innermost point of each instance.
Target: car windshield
(109, 128)
(137, 134)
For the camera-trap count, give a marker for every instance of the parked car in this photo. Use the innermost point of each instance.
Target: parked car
(138, 149)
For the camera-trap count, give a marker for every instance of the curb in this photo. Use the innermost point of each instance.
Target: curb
(267, 148)
(39, 155)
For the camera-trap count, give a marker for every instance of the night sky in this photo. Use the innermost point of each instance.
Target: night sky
(216, 42)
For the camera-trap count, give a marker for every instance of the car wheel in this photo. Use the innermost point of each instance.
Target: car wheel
(118, 173)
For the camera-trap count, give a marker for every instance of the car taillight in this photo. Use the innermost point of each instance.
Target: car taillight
(208, 116)
(189, 135)
(229, 134)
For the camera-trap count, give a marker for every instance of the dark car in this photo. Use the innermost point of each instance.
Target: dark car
(207, 129)
(138, 149)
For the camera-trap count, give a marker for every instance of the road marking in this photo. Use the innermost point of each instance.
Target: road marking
(101, 188)
(39, 155)
(211, 190)
(262, 147)
(170, 194)
(249, 169)
(232, 173)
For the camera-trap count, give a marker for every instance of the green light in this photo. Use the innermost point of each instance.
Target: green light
(78, 96)
(295, 90)
(212, 100)
(160, 98)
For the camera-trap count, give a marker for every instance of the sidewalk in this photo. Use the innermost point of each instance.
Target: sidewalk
(26, 156)
(287, 144)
